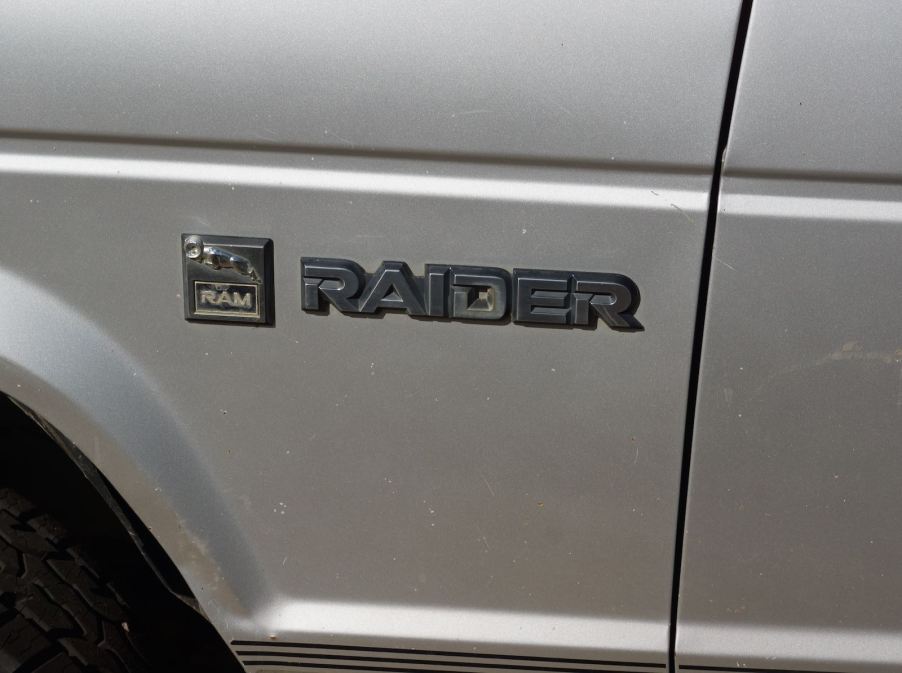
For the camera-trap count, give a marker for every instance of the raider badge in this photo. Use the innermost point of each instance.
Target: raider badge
(530, 296)
(227, 278)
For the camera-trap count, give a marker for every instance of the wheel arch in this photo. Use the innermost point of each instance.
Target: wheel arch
(110, 418)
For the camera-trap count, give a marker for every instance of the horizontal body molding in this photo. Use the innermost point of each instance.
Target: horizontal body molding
(267, 655)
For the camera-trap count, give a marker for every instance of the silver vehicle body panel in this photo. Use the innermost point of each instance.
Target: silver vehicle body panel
(393, 482)
(793, 547)
(614, 82)
(466, 489)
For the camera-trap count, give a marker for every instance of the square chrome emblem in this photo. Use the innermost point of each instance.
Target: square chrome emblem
(227, 278)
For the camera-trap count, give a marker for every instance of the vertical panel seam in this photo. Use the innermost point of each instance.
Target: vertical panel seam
(704, 283)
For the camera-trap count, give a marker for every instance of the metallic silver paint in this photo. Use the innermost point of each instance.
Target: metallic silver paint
(536, 512)
(820, 86)
(611, 82)
(793, 547)
(486, 530)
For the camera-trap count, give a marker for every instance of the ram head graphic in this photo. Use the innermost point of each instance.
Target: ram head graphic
(218, 258)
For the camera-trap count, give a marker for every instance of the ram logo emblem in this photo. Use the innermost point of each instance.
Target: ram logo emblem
(227, 278)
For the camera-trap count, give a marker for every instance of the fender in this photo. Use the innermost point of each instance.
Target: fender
(62, 367)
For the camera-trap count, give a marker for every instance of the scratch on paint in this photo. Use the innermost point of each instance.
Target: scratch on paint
(487, 484)
(720, 261)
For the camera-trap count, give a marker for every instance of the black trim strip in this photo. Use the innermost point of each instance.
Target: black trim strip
(704, 282)
(302, 664)
(440, 653)
(722, 669)
(429, 662)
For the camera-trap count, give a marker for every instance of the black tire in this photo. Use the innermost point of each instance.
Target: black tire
(57, 613)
